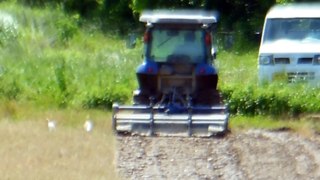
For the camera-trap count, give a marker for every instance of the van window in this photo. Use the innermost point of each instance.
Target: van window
(297, 29)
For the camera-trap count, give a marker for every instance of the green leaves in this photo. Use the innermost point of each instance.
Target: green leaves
(67, 28)
(272, 100)
(8, 29)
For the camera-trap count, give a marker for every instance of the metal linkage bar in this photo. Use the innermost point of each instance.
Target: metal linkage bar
(189, 122)
(189, 116)
(152, 122)
(141, 107)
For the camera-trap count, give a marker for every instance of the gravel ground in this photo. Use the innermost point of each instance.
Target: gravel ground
(253, 154)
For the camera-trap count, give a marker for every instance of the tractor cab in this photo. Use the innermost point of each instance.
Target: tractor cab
(184, 36)
(178, 54)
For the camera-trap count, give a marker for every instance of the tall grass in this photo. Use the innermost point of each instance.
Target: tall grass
(304, 126)
(53, 60)
(237, 69)
(239, 86)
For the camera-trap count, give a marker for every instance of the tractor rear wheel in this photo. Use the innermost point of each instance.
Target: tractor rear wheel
(141, 99)
(208, 97)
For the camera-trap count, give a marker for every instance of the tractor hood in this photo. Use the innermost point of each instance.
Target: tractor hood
(291, 46)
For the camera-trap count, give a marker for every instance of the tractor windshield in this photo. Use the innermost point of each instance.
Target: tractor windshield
(183, 45)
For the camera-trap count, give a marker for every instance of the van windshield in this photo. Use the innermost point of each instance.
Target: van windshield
(183, 45)
(296, 29)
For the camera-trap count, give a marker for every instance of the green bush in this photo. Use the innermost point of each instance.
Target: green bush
(55, 63)
(106, 98)
(67, 28)
(8, 29)
(272, 100)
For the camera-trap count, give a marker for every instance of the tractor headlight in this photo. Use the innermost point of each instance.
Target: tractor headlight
(265, 60)
(316, 59)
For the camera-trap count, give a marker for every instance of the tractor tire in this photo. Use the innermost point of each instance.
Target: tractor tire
(141, 100)
(208, 97)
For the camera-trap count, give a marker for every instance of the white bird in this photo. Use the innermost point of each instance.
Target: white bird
(88, 126)
(51, 124)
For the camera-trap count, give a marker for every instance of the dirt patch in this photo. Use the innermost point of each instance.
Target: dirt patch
(29, 151)
(254, 154)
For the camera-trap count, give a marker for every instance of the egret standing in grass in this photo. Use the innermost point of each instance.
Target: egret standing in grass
(88, 126)
(51, 124)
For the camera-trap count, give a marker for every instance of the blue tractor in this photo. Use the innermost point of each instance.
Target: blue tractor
(177, 92)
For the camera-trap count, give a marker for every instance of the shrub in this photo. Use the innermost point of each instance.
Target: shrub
(8, 29)
(105, 98)
(272, 100)
(67, 28)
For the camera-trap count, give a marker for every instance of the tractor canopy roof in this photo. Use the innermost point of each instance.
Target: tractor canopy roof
(179, 17)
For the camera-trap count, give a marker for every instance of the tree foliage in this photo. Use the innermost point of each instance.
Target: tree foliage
(241, 16)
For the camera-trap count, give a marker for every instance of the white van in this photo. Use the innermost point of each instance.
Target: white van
(290, 44)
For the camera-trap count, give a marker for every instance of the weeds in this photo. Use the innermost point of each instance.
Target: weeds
(56, 63)
(272, 100)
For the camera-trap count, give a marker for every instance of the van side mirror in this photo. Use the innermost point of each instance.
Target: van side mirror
(257, 36)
